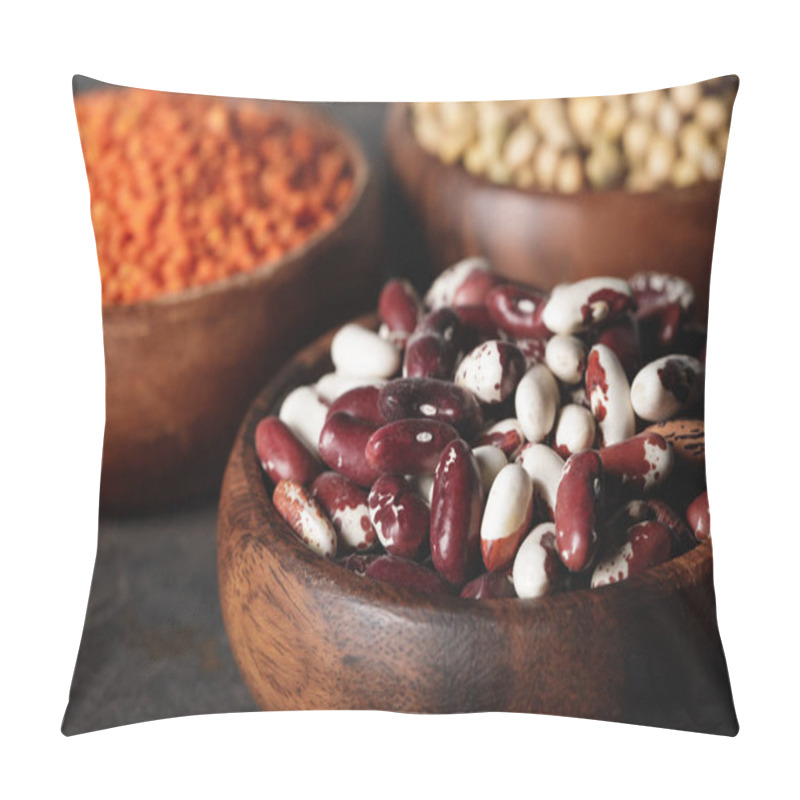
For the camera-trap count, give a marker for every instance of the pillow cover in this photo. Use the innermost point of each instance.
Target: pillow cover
(491, 494)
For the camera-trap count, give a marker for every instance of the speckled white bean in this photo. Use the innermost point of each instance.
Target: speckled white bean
(360, 352)
(614, 567)
(566, 358)
(506, 434)
(536, 402)
(574, 307)
(491, 371)
(305, 517)
(334, 384)
(666, 387)
(443, 289)
(544, 466)
(304, 413)
(609, 395)
(490, 461)
(534, 565)
(575, 430)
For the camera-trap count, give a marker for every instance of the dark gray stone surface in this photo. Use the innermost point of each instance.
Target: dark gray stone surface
(153, 643)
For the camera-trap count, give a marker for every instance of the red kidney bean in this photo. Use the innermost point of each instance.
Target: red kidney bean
(506, 434)
(648, 545)
(282, 455)
(456, 513)
(361, 403)
(638, 464)
(698, 517)
(475, 287)
(663, 304)
(660, 327)
(653, 290)
(399, 515)
(346, 505)
(304, 516)
(682, 538)
(577, 499)
(613, 529)
(476, 326)
(518, 311)
(491, 371)
(408, 446)
(399, 307)
(622, 337)
(342, 444)
(429, 355)
(443, 321)
(489, 586)
(443, 289)
(430, 398)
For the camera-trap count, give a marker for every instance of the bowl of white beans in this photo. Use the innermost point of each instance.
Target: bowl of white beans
(561, 189)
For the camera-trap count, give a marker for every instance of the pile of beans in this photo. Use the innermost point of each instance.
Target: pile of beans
(675, 137)
(499, 441)
(187, 190)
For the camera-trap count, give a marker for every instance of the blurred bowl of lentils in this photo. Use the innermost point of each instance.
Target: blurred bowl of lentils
(556, 190)
(216, 222)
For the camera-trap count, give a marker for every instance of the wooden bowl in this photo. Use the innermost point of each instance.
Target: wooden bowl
(545, 238)
(308, 634)
(182, 369)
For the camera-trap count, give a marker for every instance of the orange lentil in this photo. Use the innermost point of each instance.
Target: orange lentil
(187, 190)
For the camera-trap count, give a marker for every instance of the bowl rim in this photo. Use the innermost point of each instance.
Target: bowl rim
(398, 124)
(329, 576)
(316, 118)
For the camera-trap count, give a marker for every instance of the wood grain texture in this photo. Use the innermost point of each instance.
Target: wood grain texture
(547, 238)
(182, 369)
(307, 633)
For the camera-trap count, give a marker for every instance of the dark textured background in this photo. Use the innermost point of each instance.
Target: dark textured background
(153, 644)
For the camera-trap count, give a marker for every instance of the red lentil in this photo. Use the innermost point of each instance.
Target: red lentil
(187, 189)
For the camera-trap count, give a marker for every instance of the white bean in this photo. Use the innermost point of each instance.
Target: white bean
(490, 460)
(304, 413)
(575, 430)
(566, 358)
(360, 352)
(536, 402)
(544, 466)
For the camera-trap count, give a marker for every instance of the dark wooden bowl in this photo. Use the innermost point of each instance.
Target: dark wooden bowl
(547, 238)
(182, 369)
(308, 634)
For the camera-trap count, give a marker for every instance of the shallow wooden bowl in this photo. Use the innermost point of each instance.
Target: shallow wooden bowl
(545, 238)
(308, 634)
(182, 369)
